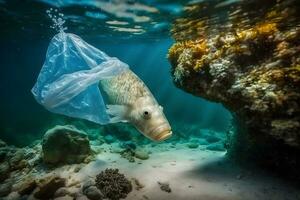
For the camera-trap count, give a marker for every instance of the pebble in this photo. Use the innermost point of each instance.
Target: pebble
(93, 193)
(141, 154)
(193, 145)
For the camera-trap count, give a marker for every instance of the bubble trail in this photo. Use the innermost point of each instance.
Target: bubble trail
(57, 19)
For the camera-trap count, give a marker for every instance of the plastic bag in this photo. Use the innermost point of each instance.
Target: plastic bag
(68, 81)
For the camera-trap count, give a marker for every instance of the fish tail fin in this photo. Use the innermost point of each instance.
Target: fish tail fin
(68, 81)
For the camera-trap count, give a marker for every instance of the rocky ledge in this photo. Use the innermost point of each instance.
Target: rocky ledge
(246, 57)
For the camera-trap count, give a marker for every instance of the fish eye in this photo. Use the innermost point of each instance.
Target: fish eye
(146, 114)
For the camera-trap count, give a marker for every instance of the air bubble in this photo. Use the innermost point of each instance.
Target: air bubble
(57, 19)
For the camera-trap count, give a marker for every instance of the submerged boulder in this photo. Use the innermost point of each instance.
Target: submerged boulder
(48, 185)
(249, 62)
(65, 144)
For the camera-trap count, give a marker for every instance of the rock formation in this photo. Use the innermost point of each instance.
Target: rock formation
(246, 55)
(65, 144)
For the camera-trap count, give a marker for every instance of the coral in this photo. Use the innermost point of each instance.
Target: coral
(112, 184)
(248, 61)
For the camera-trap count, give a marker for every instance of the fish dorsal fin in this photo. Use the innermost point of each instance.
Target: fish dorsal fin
(117, 113)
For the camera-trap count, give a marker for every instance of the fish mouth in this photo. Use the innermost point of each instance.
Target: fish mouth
(161, 133)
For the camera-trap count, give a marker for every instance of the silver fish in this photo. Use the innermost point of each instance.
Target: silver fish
(133, 102)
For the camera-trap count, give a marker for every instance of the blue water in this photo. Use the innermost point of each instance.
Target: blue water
(21, 115)
(23, 48)
(207, 155)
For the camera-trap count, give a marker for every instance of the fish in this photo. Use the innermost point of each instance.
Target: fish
(131, 101)
(76, 77)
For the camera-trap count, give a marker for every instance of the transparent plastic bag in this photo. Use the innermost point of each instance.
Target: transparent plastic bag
(68, 81)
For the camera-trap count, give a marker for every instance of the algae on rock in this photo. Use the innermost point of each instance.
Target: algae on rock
(65, 144)
(247, 58)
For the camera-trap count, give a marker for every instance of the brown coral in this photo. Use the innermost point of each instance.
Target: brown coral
(112, 184)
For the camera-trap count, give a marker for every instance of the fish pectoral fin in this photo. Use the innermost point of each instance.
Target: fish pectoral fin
(117, 113)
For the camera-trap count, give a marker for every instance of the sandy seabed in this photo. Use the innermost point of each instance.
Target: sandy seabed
(192, 174)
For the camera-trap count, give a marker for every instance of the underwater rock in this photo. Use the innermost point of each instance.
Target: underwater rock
(250, 63)
(17, 161)
(93, 193)
(82, 197)
(67, 197)
(141, 154)
(193, 145)
(116, 149)
(4, 171)
(47, 186)
(219, 146)
(112, 184)
(164, 187)
(65, 144)
(14, 196)
(5, 188)
(25, 187)
(88, 183)
(61, 192)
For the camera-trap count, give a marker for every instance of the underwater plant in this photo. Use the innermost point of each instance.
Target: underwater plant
(113, 184)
